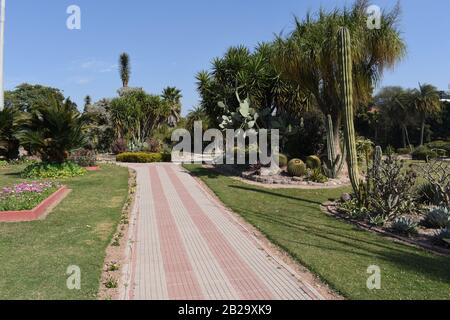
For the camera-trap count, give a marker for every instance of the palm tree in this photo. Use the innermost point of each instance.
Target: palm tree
(53, 131)
(124, 69)
(87, 103)
(427, 102)
(172, 96)
(9, 145)
(308, 56)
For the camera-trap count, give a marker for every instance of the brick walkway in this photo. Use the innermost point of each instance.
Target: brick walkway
(186, 246)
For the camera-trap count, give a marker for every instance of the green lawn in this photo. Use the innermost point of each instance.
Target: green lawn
(336, 251)
(34, 256)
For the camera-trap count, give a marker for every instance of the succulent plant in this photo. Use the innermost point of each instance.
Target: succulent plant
(334, 163)
(346, 85)
(313, 162)
(377, 220)
(405, 226)
(316, 175)
(282, 160)
(296, 168)
(438, 217)
(444, 236)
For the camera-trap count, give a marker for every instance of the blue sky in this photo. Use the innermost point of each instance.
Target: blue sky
(170, 41)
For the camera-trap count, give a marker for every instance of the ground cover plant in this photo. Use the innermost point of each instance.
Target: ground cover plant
(26, 195)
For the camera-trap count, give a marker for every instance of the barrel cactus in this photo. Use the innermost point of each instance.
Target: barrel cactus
(313, 162)
(296, 168)
(282, 160)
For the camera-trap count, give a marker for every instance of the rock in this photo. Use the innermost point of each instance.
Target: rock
(272, 171)
(346, 197)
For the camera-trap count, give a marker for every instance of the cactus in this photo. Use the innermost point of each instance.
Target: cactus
(296, 168)
(282, 160)
(333, 165)
(313, 162)
(345, 63)
(438, 218)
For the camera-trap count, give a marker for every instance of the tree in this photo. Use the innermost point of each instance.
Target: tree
(172, 96)
(26, 97)
(87, 103)
(397, 109)
(308, 55)
(136, 114)
(427, 102)
(252, 75)
(125, 69)
(9, 145)
(52, 131)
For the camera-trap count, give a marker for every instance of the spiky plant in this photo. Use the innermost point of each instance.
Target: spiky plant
(346, 85)
(296, 168)
(313, 162)
(53, 131)
(125, 69)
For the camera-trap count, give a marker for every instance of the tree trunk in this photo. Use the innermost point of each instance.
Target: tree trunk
(422, 131)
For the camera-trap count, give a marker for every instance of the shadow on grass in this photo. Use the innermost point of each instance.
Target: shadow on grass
(330, 240)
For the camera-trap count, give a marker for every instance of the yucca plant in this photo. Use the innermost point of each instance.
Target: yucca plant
(52, 131)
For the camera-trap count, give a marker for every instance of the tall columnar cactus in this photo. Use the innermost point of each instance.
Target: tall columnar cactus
(378, 156)
(333, 165)
(346, 86)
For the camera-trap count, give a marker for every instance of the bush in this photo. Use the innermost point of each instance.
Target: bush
(3, 163)
(296, 168)
(426, 193)
(405, 226)
(443, 236)
(440, 145)
(84, 158)
(403, 151)
(139, 157)
(313, 162)
(438, 218)
(154, 145)
(119, 146)
(424, 153)
(52, 171)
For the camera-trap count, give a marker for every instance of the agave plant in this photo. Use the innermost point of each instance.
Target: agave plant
(405, 226)
(53, 131)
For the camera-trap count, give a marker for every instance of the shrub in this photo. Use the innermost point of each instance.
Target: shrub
(3, 163)
(392, 188)
(313, 162)
(84, 158)
(424, 153)
(443, 236)
(296, 168)
(403, 151)
(438, 218)
(52, 171)
(405, 226)
(440, 145)
(119, 146)
(154, 145)
(139, 157)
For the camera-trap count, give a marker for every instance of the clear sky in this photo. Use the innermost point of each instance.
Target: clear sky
(170, 41)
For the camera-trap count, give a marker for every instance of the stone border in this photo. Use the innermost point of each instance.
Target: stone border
(39, 212)
(278, 181)
(121, 247)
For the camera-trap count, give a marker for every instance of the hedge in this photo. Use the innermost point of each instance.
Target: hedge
(141, 157)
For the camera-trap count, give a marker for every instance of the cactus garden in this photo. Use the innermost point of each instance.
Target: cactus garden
(223, 161)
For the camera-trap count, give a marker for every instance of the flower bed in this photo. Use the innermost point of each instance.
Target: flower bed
(29, 201)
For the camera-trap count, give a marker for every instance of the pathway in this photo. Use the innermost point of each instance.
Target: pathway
(187, 246)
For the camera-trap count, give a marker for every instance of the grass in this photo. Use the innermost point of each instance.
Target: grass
(35, 255)
(336, 251)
